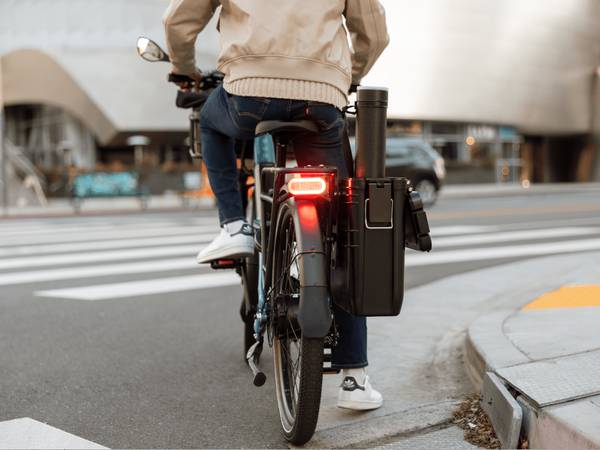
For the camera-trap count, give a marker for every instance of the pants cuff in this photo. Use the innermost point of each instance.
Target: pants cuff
(349, 366)
(226, 221)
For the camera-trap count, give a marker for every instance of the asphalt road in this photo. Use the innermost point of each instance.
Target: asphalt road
(107, 332)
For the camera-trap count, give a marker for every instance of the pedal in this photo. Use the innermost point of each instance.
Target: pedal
(226, 264)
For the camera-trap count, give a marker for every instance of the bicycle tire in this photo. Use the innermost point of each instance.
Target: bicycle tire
(298, 386)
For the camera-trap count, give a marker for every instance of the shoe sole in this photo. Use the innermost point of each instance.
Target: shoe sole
(232, 253)
(359, 406)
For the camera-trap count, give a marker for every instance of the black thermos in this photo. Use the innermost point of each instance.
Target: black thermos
(371, 121)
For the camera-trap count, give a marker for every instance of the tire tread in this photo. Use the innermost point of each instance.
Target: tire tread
(311, 382)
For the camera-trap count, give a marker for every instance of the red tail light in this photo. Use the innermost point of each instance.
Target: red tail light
(308, 186)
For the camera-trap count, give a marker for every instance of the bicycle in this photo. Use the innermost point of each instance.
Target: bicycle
(309, 235)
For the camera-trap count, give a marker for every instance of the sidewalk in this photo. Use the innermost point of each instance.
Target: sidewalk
(420, 362)
(548, 353)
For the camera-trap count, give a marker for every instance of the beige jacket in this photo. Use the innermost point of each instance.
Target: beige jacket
(295, 49)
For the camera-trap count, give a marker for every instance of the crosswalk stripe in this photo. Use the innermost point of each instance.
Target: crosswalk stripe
(511, 236)
(29, 433)
(149, 287)
(540, 224)
(105, 245)
(196, 282)
(23, 227)
(452, 230)
(120, 232)
(73, 273)
(42, 228)
(78, 258)
(104, 235)
(511, 251)
(142, 244)
(150, 244)
(53, 231)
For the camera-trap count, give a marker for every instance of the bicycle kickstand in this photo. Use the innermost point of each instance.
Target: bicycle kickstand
(252, 358)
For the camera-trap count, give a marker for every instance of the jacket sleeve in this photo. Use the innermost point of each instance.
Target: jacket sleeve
(365, 20)
(184, 20)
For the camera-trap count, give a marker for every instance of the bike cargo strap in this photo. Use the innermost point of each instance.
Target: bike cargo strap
(417, 225)
(378, 218)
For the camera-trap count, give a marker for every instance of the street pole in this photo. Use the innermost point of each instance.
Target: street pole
(3, 169)
(3, 153)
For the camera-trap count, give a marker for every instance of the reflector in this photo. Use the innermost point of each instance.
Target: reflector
(307, 186)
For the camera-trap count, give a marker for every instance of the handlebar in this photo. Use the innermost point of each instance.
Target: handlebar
(176, 78)
(210, 80)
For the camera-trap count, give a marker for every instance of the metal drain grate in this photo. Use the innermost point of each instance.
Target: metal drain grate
(556, 380)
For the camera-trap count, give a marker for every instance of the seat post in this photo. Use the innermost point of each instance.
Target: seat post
(281, 149)
(283, 134)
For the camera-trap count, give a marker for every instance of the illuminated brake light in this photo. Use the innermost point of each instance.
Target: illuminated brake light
(307, 186)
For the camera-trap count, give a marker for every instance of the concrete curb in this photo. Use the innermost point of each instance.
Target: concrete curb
(486, 347)
(502, 409)
(377, 430)
(565, 425)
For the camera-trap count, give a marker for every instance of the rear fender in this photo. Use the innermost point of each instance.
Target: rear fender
(314, 314)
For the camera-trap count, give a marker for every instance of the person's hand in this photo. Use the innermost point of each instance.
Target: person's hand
(197, 77)
(194, 83)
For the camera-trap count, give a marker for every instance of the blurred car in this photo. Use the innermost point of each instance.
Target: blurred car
(416, 160)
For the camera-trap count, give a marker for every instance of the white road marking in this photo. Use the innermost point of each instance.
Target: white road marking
(149, 287)
(117, 233)
(26, 433)
(511, 251)
(191, 238)
(73, 273)
(452, 230)
(511, 236)
(550, 223)
(94, 257)
(6, 229)
(85, 228)
(119, 227)
(53, 227)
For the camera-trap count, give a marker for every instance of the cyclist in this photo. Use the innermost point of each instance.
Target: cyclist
(282, 60)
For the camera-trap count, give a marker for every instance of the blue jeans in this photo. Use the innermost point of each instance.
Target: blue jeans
(226, 118)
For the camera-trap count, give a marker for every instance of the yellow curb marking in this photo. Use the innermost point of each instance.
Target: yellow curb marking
(567, 297)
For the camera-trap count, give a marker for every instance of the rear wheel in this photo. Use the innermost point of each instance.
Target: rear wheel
(298, 361)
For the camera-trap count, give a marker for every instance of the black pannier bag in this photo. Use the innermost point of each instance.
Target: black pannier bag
(378, 218)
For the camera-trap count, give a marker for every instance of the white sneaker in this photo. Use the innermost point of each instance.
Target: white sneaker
(356, 391)
(235, 241)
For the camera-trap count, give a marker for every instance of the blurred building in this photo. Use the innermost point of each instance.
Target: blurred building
(499, 86)
(507, 90)
(75, 91)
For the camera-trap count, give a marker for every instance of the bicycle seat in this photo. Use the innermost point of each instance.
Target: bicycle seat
(191, 99)
(285, 128)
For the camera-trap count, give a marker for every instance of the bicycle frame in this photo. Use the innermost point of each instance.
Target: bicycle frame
(314, 314)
